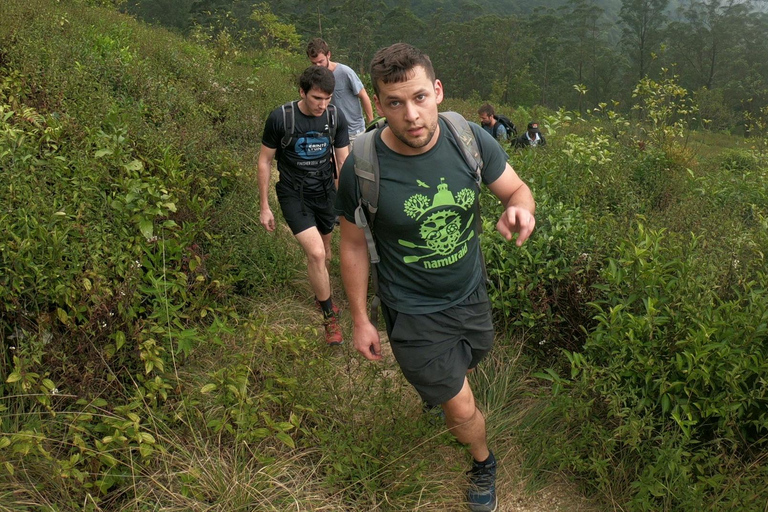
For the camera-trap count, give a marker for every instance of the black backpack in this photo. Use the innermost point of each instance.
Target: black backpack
(507, 124)
(331, 117)
(289, 115)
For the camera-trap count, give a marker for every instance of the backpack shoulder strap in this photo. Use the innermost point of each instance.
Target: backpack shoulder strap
(289, 123)
(367, 174)
(470, 150)
(333, 120)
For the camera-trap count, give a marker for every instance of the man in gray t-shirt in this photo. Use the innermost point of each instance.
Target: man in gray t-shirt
(349, 94)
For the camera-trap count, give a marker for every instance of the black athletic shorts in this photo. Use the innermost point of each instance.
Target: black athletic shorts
(317, 211)
(435, 350)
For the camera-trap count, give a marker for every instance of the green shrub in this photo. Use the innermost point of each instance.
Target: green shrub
(670, 382)
(542, 288)
(120, 147)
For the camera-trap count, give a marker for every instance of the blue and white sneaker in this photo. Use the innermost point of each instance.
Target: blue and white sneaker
(482, 486)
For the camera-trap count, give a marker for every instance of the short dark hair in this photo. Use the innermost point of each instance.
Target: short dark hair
(317, 76)
(393, 64)
(487, 109)
(317, 46)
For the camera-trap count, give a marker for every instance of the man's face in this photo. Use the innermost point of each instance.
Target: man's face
(411, 111)
(485, 119)
(321, 59)
(316, 100)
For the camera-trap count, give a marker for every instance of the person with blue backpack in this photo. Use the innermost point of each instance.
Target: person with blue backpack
(309, 137)
(409, 206)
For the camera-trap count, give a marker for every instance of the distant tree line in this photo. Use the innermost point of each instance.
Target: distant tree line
(573, 55)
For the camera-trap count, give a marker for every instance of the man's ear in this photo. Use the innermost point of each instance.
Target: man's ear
(376, 102)
(438, 91)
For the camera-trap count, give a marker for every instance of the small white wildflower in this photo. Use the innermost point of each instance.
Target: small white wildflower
(55, 391)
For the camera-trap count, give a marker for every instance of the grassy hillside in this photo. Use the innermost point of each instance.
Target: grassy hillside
(160, 351)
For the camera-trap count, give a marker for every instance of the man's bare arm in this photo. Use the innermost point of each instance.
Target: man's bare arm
(266, 156)
(355, 266)
(519, 206)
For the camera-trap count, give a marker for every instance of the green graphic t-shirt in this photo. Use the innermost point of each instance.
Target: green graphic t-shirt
(426, 225)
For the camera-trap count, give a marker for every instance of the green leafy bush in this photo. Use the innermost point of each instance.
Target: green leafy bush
(669, 391)
(119, 146)
(542, 287)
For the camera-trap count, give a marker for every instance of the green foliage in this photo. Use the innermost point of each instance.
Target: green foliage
(248, 404)
(654, 326)
(757, 123)
(542, 287)
(272, 33)
(666, 106)
(670, 382)
(120, 146)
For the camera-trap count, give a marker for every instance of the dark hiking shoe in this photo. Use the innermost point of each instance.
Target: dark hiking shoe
(482, 486)
(333, 334)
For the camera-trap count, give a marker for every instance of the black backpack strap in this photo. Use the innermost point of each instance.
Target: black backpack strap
(331, 117)
(289, 123)
(333, 121)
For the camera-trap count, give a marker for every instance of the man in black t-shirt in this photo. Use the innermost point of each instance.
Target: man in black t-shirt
(311, 142)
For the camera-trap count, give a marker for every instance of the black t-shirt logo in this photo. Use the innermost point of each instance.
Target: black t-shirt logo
(312, 145)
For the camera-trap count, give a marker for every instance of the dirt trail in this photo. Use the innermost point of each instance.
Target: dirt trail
(560, 496)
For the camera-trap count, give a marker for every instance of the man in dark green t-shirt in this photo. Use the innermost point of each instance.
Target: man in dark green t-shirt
(431, 285)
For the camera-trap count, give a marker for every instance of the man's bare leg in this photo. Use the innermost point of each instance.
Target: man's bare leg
(466, 422)
(317, 250)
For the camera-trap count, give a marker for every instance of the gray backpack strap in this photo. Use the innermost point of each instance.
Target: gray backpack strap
(367, 174)
(462, 132)
(288, 113)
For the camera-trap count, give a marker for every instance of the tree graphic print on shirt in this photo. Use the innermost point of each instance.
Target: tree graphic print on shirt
(443, 233)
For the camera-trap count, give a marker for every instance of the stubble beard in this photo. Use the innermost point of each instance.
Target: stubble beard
(417, 143)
